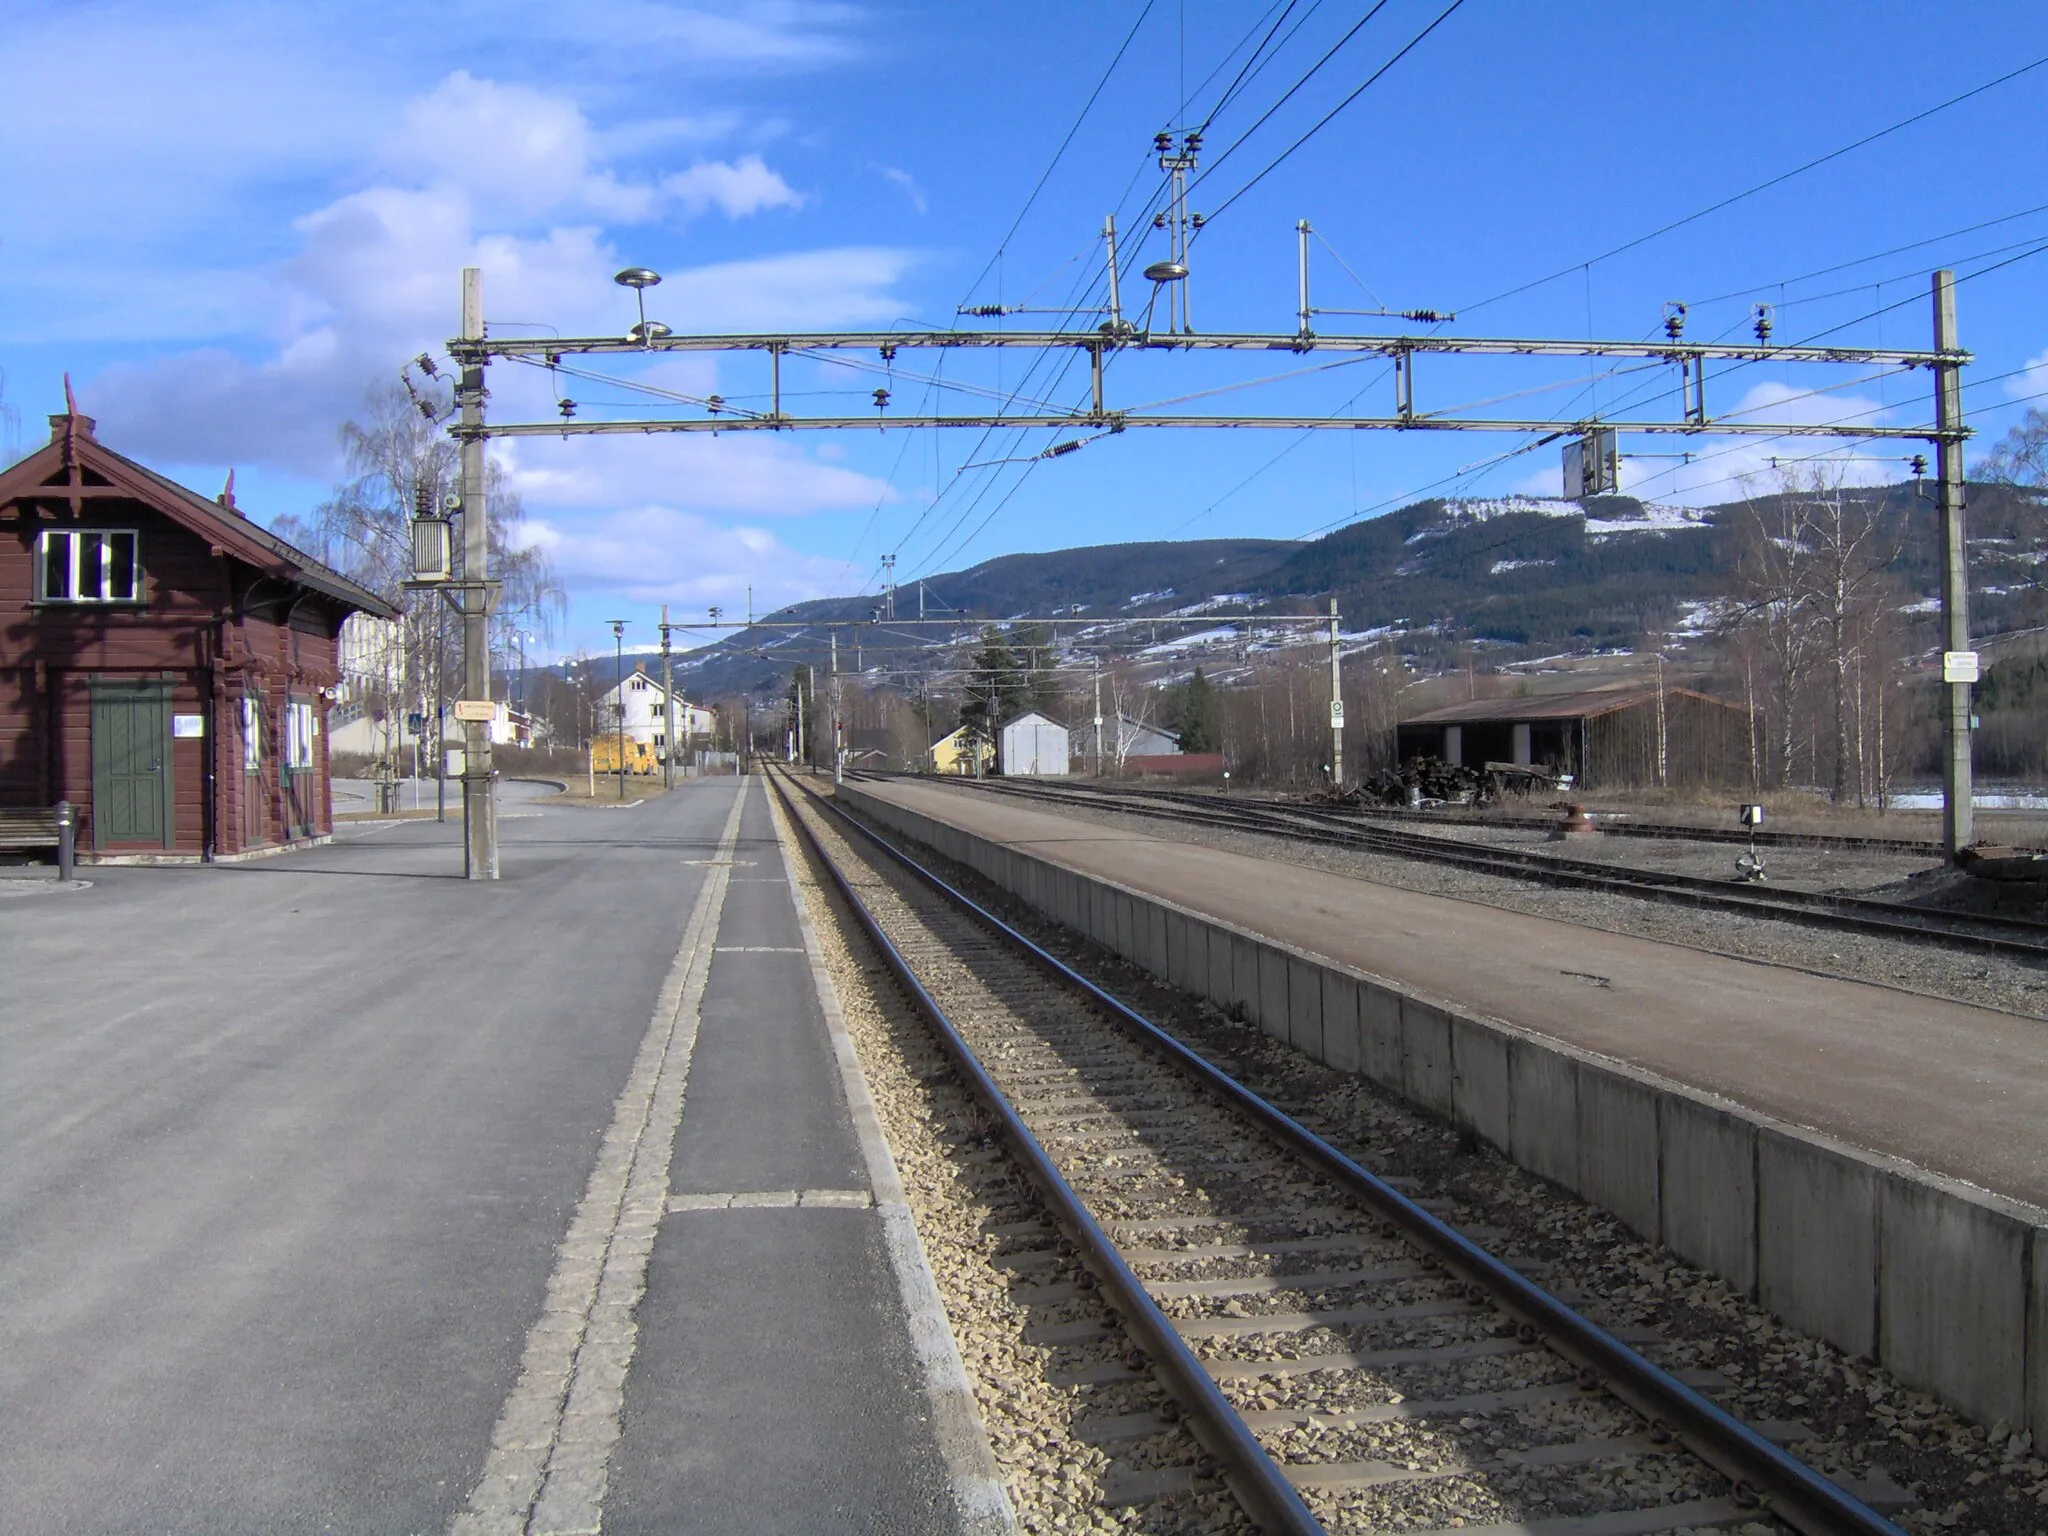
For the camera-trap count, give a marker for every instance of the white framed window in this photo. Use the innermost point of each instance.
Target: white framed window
(88, 565)
(252, 733)
(299, 726)
(639, 685)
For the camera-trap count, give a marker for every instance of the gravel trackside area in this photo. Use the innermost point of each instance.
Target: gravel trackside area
(1925, 1466)
(1006, 1276)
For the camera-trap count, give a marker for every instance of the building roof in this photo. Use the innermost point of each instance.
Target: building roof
(218, 522)
(1030, 714)
(1583, 705)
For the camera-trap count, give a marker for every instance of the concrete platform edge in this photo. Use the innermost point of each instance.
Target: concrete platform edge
(978, 1492)
(1940, 1281)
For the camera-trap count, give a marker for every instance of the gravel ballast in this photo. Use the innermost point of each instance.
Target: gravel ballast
(1003, 1272)
(1845, 1416)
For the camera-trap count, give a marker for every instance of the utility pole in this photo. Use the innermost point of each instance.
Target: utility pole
(1958, 662)
(619, 670)
(1098, 714)
(668, 706)
(1336, 705)
(838, 751)
(889, 586)
(479, 804)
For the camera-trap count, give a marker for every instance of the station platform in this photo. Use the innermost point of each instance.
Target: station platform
(571, 1221)
(1957, 1090)
(776, 1386)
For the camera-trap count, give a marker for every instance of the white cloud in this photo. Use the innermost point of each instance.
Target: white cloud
(661, 554)
(504, 178)
(906, 181)
(2032, 382)
(737, 189)
(747, 472)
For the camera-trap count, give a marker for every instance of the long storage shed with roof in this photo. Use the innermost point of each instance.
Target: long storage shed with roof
(166, 665)
(1629, 736)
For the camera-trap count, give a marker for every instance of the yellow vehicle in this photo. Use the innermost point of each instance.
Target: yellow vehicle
(641, 758)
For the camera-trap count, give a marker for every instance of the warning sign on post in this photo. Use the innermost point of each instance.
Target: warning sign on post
(475, 709)
(1959, 666)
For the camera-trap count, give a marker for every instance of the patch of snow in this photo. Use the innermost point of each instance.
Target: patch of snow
(1700, 616)
(1516, 565)
(1220, 600)
(1137, 598)
(1925, 605)
(1200, 639)
(1658, 517)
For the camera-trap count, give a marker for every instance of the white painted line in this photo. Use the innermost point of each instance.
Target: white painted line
(547, 1468)
(807, 1199)
(757, 949)
(978, 1490)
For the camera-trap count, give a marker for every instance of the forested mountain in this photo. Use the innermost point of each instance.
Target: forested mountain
(1517, 576)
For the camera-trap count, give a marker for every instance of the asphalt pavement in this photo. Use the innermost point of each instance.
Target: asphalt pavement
(287, 1150)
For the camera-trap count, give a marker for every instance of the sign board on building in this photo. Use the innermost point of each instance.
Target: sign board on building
(1959, 666)
(475, 709)
(185, 726)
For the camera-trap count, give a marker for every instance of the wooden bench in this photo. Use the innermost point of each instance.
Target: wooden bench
(33, 827)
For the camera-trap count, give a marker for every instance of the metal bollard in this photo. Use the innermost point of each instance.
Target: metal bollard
(67, 840)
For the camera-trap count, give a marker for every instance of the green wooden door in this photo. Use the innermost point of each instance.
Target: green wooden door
(131, 764)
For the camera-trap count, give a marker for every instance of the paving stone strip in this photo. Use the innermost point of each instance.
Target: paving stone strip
(978, 1492)
(546, 1472)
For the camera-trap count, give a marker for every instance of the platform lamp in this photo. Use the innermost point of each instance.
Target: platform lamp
(640, 279)
(619, 651)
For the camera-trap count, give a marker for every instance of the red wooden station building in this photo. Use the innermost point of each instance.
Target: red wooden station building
(165, 664)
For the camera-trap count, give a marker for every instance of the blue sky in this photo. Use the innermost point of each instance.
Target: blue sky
(255, 213)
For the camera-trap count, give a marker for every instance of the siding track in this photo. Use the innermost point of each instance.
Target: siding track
(1352, 1362)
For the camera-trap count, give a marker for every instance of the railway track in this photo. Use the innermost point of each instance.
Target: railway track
(1813, 909)
(1349, 1360)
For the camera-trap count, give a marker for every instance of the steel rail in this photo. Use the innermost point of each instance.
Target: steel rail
(1351, 815)
(1794, 1492)
(1271, 1501)
(1813, 909)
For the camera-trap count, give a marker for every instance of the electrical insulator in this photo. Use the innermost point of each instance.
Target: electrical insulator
(889, 353)
(1761, 314)
(554, 359)
(1919, 465)
(1162, 142)
(881, 399)
(1059, 448)
(426, 365)
(1428, 316)
(1193, 141)
(714, 404)
(567, 408)
(426, 408)
(1159, 221)
(1199, 220)
(1674, 320)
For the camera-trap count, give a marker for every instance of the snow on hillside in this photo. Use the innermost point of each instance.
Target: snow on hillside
(1655, 517)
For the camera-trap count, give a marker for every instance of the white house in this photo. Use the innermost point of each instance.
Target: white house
(1033, 744)
(640, 698)
(1134, 738)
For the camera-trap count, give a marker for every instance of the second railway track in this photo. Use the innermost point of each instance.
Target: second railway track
(1351, 1361)
(2019, 937)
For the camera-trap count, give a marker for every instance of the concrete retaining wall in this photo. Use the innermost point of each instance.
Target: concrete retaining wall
(1935, 1279)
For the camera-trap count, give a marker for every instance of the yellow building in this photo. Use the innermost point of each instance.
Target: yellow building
(957, 752)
